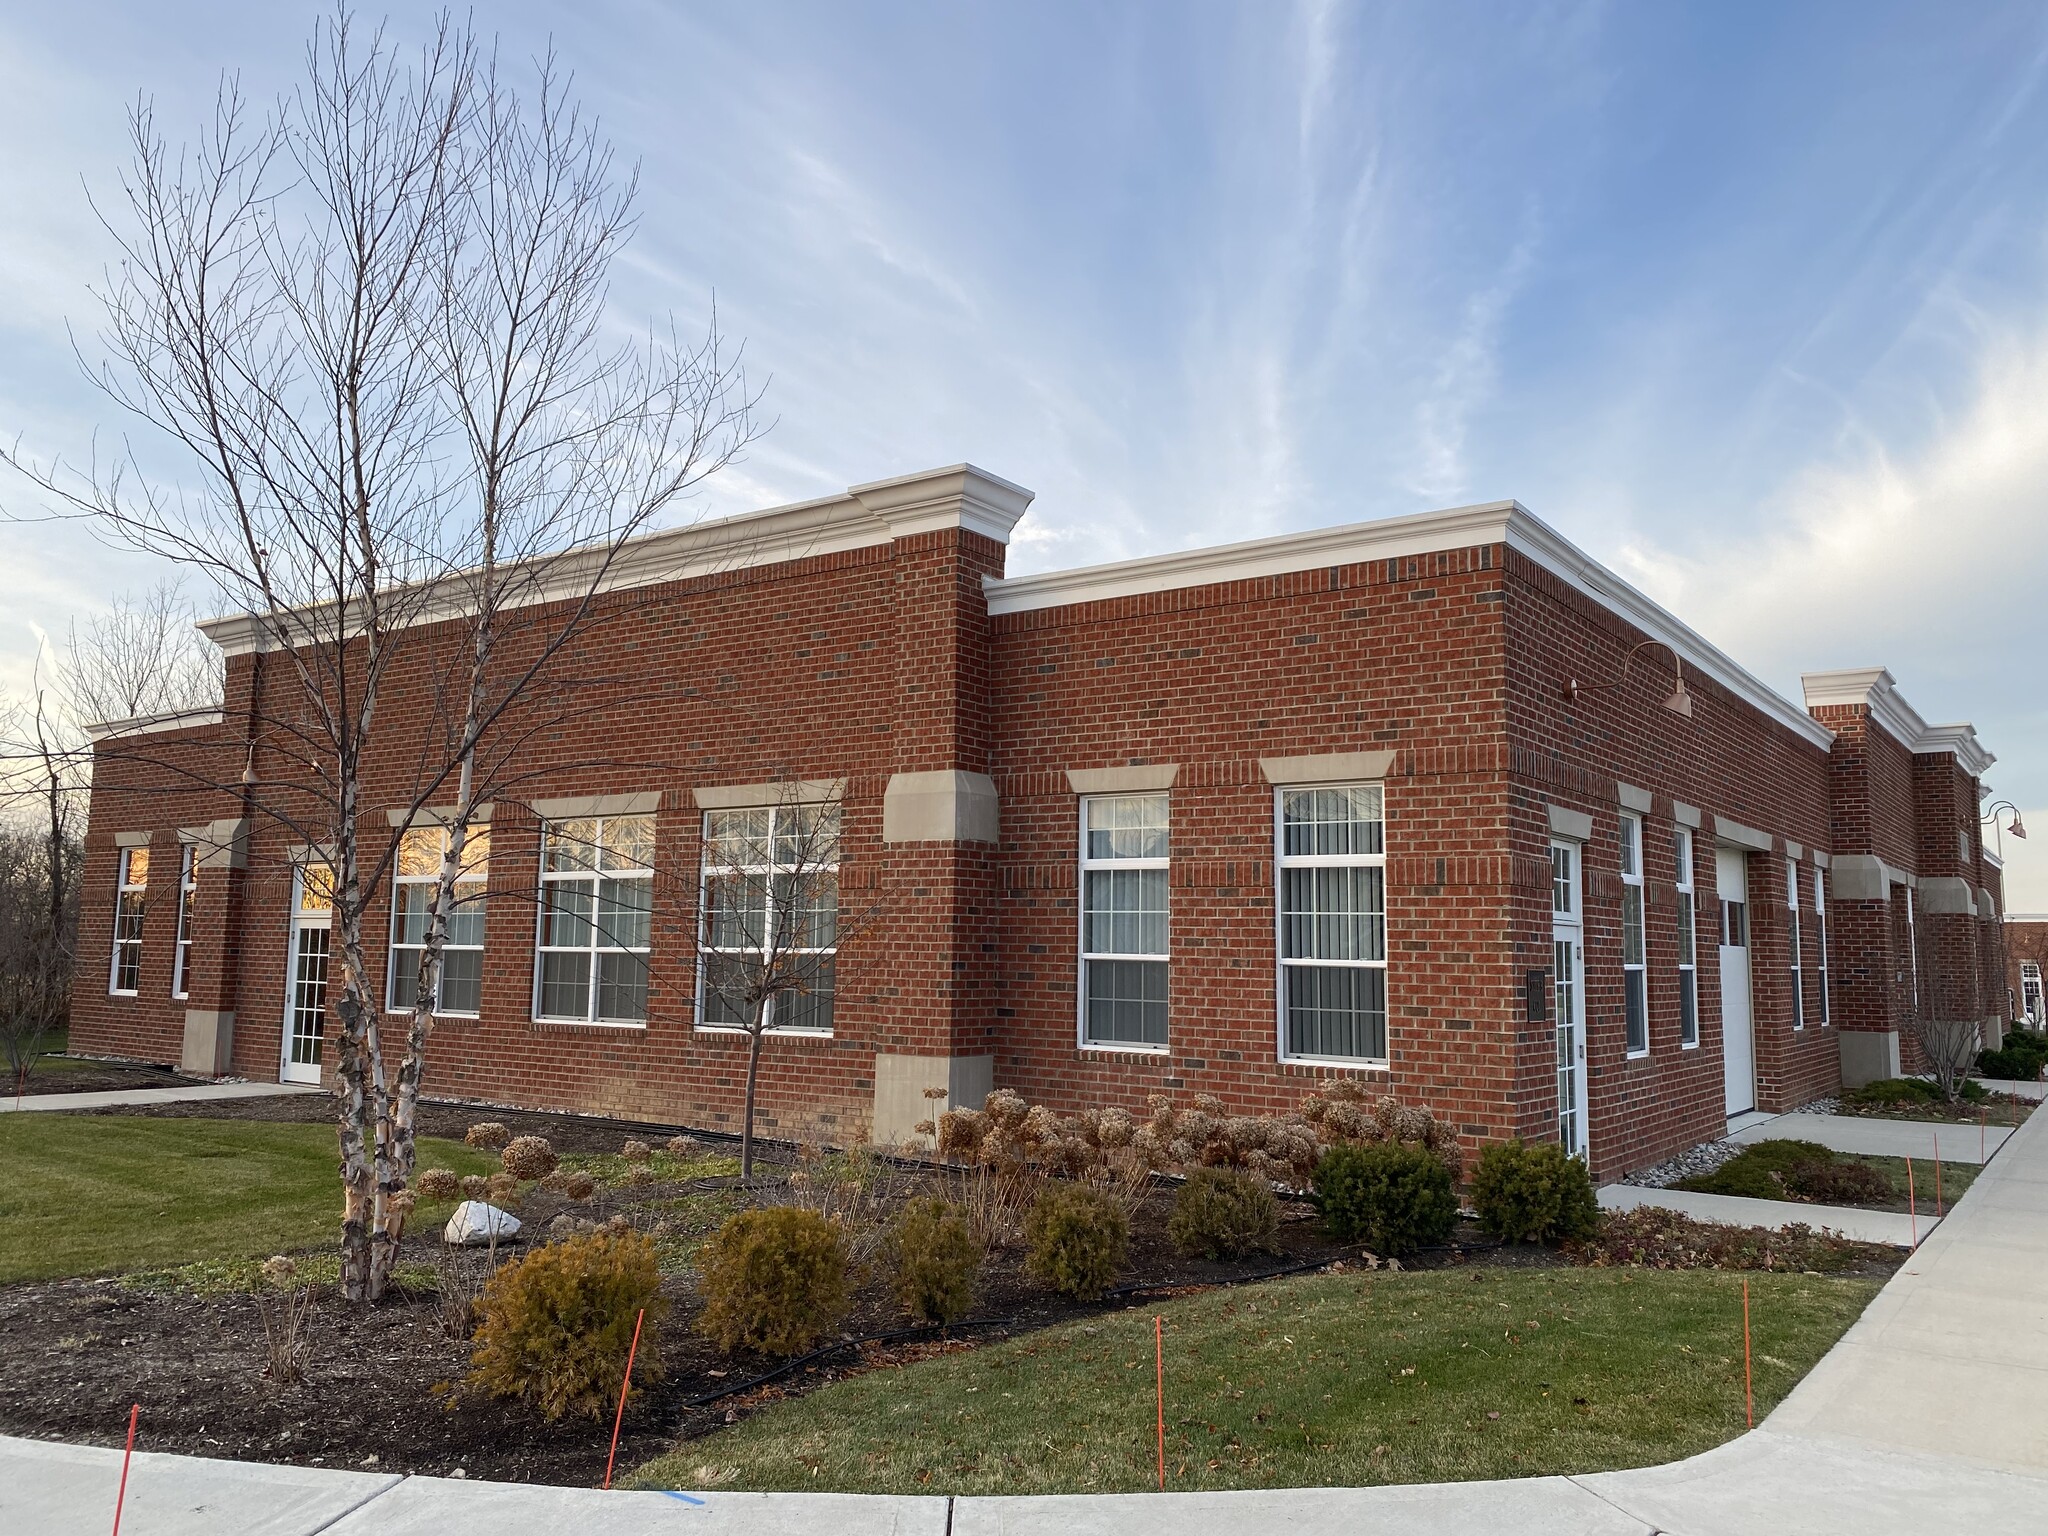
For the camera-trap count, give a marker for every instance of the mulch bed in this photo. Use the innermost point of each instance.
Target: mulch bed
(376, 1394)
(84, 1075)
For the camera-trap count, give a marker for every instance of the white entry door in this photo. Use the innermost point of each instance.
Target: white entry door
(305, 992)
(1738, 1035)
(1568, 996)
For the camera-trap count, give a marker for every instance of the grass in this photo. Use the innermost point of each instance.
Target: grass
(1332, 1379)
(99, 1194)
(612, 1171)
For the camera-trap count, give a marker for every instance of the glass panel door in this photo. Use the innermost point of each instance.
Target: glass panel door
(1567, 930)
(305, 1020)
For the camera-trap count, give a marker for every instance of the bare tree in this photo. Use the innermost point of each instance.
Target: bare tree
(375, 321)
(1948, 1045)
(39, 859)
(771, 917)
(140, 659)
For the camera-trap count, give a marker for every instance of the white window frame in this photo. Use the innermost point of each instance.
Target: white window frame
(1688, 945)
(2033, 995)
(1794, 945)
(476, 875)
(549, 879)
(1089, 957)
(128, 920)
(1635, 974)
(188, 890)
(1284, 861)
(1820, 933)
(1568, 990)
(766, 871)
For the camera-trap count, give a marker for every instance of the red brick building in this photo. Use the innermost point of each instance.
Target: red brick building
(1435, 800)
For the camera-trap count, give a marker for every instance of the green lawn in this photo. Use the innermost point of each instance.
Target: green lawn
(1331, 1379)
(96, 1194)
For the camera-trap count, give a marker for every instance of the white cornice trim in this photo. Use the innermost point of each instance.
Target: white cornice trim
(142, 725)
(1875, 689)
(1493, 522)
(957, 496)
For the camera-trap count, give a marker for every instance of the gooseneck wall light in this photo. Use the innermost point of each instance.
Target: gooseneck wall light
(1679, 703)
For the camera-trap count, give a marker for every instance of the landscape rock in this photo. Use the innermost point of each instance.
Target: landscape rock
(475, 1223)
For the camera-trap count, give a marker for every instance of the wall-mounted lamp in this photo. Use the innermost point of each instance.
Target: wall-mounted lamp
(1680, 702)
(2016, 827)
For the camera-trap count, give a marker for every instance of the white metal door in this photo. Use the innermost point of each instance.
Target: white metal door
(1738, 1037)
(1568, 996)
(305, 990)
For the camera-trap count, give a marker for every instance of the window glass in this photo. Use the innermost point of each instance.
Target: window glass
(769, 915)
(1688, 947)
(1124, 957)
(1332, 923)
(596, 906)
(1635, 985)
(421, 852)
(1792, 942)
(130, 899)
(188, 890)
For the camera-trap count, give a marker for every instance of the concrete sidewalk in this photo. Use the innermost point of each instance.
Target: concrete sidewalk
(194, 1093)
(1896, 1228)
(1882, 1138)
(1930, 1417)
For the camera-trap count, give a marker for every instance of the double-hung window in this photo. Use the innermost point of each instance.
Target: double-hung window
(421, 851)
(1688, 951)
(1820, 935)
(770, 915)
(1124, 866)
(1331, 844)
(1635, 982)
(597, 903)
(126, 977)
(1797, 965)
(188, 888)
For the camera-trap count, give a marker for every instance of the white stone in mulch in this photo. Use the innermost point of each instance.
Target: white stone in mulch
(476, 1222)
(1704, 1158)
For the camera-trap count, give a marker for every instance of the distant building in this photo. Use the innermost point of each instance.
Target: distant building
(1436, 802)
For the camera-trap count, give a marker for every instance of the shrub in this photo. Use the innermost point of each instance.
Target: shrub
(487, 1136)
(774, 1280)
(935, 1257)
(579, 1186)
(1221, 1213)
(528, 1157)
(1894, 1092)
(437, 1184)
(1394, 1197)
(1075, 1237)
(554, 1329)
(474, 1186)
(1525, 1194)
(1838, 1181)
(1795, 1170)
(502, 1188)
(636, 1152)
(2013, 1062)
(683, 1146)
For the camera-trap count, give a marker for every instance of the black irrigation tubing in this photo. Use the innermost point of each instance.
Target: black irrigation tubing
(944, 1330)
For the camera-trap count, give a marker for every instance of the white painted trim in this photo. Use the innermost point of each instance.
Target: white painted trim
(1875, 689)
(142, 725)
(1495, 522)
(864, 516)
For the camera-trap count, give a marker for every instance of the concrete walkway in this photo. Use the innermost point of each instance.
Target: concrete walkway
(1930, 1417)
(193, 1093)
(1896, 1228)
(1882, 1138)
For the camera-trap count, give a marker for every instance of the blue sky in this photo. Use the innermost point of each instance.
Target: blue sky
(1751, 301)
